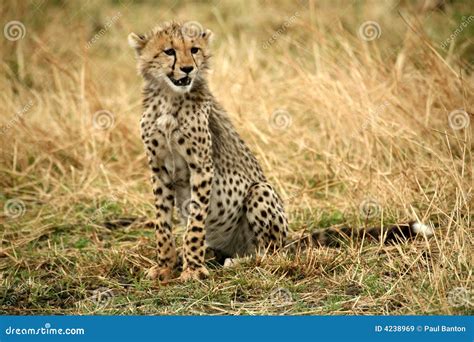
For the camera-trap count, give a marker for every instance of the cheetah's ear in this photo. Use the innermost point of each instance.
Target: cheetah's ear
(137, 42)
(208, 35)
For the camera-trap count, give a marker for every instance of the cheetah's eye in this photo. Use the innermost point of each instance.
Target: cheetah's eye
(194, 50)
(169, 52)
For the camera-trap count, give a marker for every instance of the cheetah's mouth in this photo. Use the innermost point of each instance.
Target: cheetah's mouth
(182, 82)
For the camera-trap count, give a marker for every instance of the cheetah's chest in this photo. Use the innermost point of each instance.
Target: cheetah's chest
(175, 164)
(167, 124)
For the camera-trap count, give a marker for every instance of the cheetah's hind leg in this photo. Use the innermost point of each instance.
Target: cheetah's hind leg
(266, 217)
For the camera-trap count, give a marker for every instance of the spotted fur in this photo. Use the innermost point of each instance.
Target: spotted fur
(199, 163)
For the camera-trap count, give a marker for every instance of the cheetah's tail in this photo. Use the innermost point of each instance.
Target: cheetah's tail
(122, 222)
(335, 236)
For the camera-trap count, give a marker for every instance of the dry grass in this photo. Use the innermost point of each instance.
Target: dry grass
(357, 120)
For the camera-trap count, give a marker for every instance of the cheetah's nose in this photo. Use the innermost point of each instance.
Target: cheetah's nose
(187, 69)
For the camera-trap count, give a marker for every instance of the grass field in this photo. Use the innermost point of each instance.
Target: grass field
(361, 113)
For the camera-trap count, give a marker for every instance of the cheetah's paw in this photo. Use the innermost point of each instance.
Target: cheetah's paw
(161, 273)
(230, 262)
(194, 274)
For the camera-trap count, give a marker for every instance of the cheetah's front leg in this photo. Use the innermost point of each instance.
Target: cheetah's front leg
(163, 191)
(201, 173)
(197, 208)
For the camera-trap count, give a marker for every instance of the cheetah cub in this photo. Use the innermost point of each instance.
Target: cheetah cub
(199, 163)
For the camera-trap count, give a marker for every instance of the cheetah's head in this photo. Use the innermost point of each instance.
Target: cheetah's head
(174, 53)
